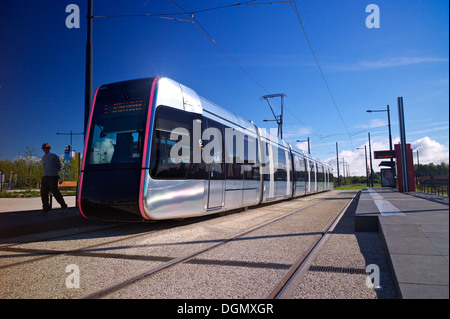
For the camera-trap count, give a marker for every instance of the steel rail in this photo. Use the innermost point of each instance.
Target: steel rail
(180, 260)
(48, 253)
(301, 262)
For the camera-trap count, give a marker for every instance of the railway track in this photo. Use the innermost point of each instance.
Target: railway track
(302, 264)
(159, 265)
(141, 229)
(190, 256)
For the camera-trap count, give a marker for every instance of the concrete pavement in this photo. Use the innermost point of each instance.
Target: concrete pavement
(415, 231)
(20, 216)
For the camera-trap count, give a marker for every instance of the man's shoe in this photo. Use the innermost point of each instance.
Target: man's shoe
(43, 213)
(63, 210)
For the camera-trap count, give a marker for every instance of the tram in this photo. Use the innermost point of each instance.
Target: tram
(156, 150)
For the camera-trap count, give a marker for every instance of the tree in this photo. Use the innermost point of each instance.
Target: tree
(431, 169)
(24, 171)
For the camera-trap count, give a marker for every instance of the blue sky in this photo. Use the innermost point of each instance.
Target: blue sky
(42, 65)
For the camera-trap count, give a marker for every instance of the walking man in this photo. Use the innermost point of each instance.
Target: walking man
(50, 177)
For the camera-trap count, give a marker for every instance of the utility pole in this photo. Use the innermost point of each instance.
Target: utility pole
(337, 162)
(370, 157)
(401, 120)
(70, 145)
(309, 145)
(417, 159)
(89, 66)
(367, 171)
(279, 118)
(417, 172)
(343, 168)
(390, 135)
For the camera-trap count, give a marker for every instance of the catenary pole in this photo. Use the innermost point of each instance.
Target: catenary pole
(89, 66)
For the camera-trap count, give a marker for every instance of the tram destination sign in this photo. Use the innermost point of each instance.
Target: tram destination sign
(384, 154)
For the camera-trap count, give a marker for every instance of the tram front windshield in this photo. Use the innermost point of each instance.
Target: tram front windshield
(118, 125)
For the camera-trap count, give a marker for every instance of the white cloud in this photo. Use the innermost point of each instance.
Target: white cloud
(388, 63)
(445, 127)
(355, 160)
(374, 123)
(430, 151)
(296, 132)
(303, 146)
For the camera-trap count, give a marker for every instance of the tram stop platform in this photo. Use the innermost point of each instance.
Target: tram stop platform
(20, 216)
(414, 228)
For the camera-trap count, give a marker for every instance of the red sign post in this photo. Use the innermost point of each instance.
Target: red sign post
(409, 167)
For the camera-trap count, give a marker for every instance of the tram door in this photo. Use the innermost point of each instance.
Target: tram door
(214, 169)
(215, 186)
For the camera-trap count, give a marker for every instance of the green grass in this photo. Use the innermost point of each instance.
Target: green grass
(28, 194)
(20, 194)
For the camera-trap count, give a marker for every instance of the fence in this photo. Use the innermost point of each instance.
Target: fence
(433, 184)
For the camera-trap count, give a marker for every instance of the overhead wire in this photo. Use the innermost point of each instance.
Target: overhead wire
(197, 24)
(366, 130)
(202, 29)
(160, 16)
(164, 15)
(354, 133)
(320, 69)
(189, 17)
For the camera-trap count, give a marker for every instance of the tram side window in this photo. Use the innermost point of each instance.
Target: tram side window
(281, 172)
(234, 158)
(320, 174)
(233, 161)
(250, 167)
(296, 168)
(171, 152)
(312, 171)
(300, 169)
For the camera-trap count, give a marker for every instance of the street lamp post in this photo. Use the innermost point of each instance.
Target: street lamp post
(70, 139)
(390, 135)
(337, 162)
(370, 157)
(389, 124)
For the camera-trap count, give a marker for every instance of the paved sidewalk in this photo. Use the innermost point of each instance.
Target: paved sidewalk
(415, 231)
(9, 205)
(19, 216)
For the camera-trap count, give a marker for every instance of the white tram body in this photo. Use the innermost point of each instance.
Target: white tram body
(157, 150)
